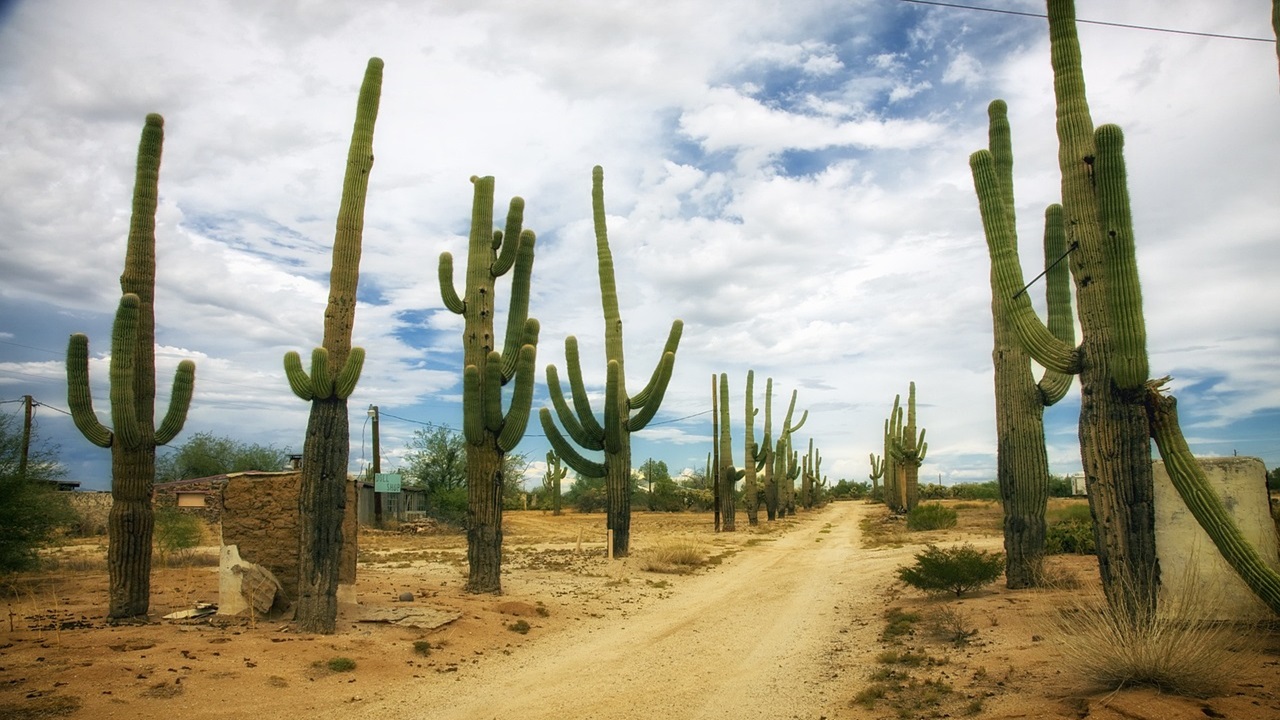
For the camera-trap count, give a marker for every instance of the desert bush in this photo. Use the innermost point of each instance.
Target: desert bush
(1070, 530)
(176, 534)
(519, 626)
(341, 664)
(989, 490)
(1179, 648)
(1060, 486)
(674, 557)
(957, 570)
(951, 625)
(934, 491)
(931, 516)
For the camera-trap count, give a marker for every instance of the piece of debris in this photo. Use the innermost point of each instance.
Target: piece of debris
(258, 587)
(423, 618)
(200, 610)
(406, 596)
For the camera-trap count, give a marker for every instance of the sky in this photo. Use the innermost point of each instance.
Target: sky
(788, 178)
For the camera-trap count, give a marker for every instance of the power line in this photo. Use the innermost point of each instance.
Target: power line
(1129, 26)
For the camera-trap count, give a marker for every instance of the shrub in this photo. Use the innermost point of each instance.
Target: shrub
(977, 491)
(341, 664)
(519, 626)
(958, 569)
(674, 557)
(1070, 531)
(934, 491)
(931, 516)
(422, 647)
(1179, 648)
(1060, 486)
(176, 533)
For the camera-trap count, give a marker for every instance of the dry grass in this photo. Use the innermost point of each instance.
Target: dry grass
(675, 557)
(1180, 648)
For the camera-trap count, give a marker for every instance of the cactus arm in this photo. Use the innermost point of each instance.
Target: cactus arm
(604, 257)
(472, 412)
(184, 381)
(1051, 352)
(447, 292)
(567, 416)
(299, 381)
(491, 405)
(1204, 504)
(345, 383)
(517, 419)
(124, 412)
(321, 381)
(1054, 385)
(662, 377)
(509, 243)
(570, 455)
(877, 467)
(79, 397)
(1129, 352)
(655, 384)
(519, 329)
(581, 402)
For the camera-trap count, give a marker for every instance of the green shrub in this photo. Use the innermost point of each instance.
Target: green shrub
(958, 569)
(519, 626)
(989, 490)
(176, 533)
(1070, 530)
(341, 664)
(931, 516)
(934, 491)
(1060, 486)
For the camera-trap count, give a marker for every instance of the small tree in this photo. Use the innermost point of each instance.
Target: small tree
(206, 454)
(31, 510)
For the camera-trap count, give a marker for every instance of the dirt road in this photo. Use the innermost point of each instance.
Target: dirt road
(765, 635)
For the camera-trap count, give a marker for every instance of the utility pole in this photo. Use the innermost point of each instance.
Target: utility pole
(377, 468)
(26, 436)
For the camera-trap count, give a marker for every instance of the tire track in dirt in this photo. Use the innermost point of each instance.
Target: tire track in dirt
(770, 633)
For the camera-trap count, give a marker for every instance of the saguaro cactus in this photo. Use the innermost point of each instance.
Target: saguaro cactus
(778, 453)
(811, 477)
(1111, 359)
(907, 451)
(133, 437)
(335, 370)
(727, 476)
(614, 436)
(754, 456)
(551, 480)
(490, 434)
(1022, 464)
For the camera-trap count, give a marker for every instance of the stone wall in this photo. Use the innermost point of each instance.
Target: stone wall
(260, 517)
(207, 490)
(1186, 552)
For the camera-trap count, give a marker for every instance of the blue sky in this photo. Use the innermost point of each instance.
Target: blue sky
(791, 181)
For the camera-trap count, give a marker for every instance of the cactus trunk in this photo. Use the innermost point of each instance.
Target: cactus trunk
(753, 456)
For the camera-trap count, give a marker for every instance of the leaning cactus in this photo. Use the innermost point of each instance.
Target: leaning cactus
(1022, 464)
(614, 436)
(133, 437)
(490, 434)
(335, 369)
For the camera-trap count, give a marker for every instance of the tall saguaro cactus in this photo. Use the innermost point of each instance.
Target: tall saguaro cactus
(753, 458)
(552, 478)
(778, 453)
(1111, 359)
(133, 436)
(726, 474)
(1022, 463)
(335, 370)
(904, 452)
(490, 434)
(614, 435)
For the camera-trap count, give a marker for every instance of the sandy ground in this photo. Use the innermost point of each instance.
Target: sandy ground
(788, 620)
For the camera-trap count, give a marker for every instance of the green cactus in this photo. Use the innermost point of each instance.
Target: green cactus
(754, 456)
(133, 436)
(776, 451)
(335, 369)
(551, 480)
(811, 474)
(1022, 463)
(726, 475)
(907, 451)
(614, 437)
(490, 434)
(877, 471)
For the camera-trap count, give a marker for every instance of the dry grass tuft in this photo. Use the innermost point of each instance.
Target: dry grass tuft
(675, 557)
(1180, 648)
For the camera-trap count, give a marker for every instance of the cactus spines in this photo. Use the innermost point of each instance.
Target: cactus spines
(1022, 463)
(491, 433)
(778, 453)
(335, 369)
(904, 453)
(133, 436)
(726, 474)
(613, 436)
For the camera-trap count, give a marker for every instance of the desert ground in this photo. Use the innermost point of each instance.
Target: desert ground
(799, 618)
